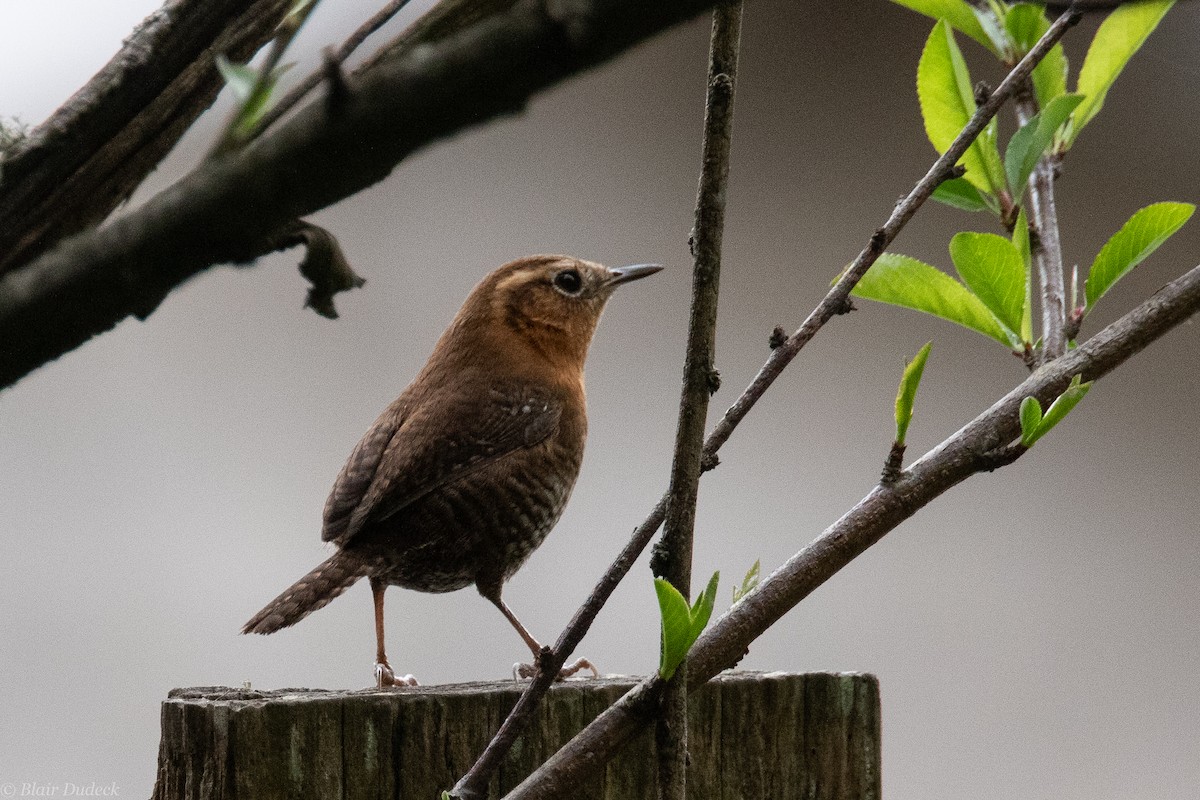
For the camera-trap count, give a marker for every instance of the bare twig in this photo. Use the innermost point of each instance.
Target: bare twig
(672, 557)
(522, 713)
(981, 445)
(835, 302)
(338, 56)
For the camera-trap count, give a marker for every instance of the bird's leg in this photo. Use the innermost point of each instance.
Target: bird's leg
(384, 676)
(529, 670)
(530, 642)
(383, 671)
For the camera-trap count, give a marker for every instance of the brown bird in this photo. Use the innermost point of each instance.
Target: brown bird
(463, 476)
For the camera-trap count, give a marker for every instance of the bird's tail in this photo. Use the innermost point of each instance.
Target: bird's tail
(331, 577)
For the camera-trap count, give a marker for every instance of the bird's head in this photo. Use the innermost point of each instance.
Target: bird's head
(548, 303)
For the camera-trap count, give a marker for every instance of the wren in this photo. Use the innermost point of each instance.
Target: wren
(463, 476)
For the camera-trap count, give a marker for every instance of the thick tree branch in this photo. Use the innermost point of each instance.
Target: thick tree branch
(972, 449)
(835, 301)
(672, 558)
(90, 155)
(228, 209)
(442, 21)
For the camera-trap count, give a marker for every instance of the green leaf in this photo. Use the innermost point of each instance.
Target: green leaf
(239, 77)
(947, 103)
(1028, 144)
(676, 627)
(991, 19)
(958, 13)
(959, 193)
(254, 97)
(1022, 154)
(703, 607)
(681, 625)
(1066, 401)
(907, 282)
(1120, 36)
(1020, 240)
(1145, 231)
(1050, 75)
(907, 392)
(749, 583)
(1056, 413)
(1031, 418)
(992, 268)
(253, 111)
(1025, 24)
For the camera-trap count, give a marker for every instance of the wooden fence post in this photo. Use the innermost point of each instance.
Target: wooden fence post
(753, 735)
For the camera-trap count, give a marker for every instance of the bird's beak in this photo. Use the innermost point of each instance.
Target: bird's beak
(619, 275)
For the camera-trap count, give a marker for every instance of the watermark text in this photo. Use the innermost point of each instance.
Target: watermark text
(62, 789)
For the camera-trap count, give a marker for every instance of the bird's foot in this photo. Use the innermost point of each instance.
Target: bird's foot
(384, 676)
(530, 670)
(575, 666)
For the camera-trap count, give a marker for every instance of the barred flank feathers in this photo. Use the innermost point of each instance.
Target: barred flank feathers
(330, 578)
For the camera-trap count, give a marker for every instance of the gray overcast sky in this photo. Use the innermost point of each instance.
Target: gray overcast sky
(1035, 630)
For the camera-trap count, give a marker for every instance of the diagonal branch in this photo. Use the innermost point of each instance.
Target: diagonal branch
(229, 209)
(835, 301)
(972, 449)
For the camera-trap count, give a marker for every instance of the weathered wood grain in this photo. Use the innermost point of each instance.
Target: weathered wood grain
(754, 735)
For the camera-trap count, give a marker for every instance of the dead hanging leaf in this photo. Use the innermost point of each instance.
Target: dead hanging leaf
(324, 265)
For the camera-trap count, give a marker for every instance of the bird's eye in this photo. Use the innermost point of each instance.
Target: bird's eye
(568, 281)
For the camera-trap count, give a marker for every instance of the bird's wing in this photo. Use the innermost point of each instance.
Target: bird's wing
(357, 474)
(434, 445)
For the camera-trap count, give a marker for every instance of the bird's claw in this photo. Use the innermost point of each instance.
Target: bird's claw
(575, 666)
(384, 677)
(530, 670)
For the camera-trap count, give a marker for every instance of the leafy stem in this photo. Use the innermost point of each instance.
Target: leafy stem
(835, 302)
(255, 87)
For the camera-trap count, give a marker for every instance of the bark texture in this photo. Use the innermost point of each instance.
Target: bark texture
(89, 156)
